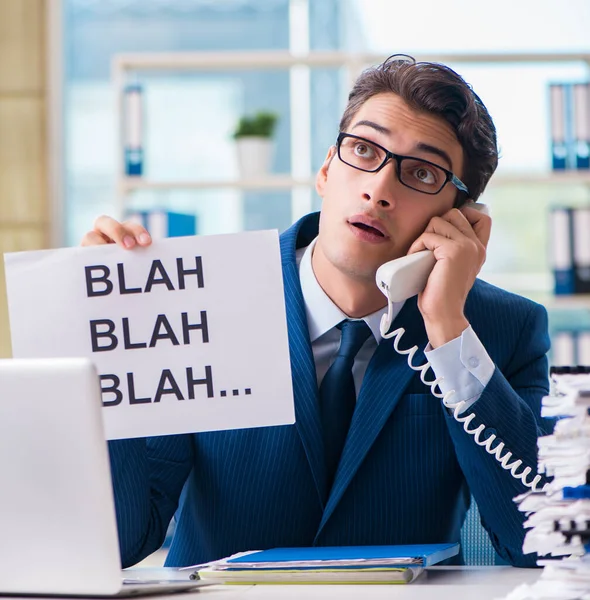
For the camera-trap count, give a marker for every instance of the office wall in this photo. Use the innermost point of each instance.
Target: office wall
(23, 162)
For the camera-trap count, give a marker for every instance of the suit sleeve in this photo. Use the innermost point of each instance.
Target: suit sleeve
(148, 477)
(509, 407)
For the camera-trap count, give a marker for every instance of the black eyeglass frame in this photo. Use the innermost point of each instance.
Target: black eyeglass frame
(450, 176)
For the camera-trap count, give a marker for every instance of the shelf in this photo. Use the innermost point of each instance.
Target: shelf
(538, 287)
(569, 177)
(235, 61)
(126, 66)
(285, 182)
(567, 302)
(271, 182)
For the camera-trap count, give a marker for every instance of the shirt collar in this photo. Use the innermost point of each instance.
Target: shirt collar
(322, 313)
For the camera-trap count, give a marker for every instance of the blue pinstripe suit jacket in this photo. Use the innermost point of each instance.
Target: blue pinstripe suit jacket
(406, 472)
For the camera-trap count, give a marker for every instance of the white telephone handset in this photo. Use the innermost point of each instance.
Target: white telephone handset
(403, 278)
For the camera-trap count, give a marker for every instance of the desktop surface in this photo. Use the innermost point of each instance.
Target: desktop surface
(440, 583)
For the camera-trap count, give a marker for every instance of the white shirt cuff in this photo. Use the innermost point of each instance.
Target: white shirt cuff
(464, 365)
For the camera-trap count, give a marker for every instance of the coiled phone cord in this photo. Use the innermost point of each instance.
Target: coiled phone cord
(457, 408)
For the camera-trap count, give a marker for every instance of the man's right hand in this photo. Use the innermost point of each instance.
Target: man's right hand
(108, 231)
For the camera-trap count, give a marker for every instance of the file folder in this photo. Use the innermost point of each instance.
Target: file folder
(563, 349)
(559, 125)
(333, 565)
(581, 249)
(133, 130)
(583, 348)
(421, 555)
(581, 120)
(561, 238)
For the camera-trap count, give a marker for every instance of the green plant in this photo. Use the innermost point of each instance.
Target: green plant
(262, 124)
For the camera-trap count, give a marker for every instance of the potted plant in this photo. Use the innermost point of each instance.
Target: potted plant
(254, 145)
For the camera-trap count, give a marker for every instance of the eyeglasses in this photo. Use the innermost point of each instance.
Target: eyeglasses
(416, 173)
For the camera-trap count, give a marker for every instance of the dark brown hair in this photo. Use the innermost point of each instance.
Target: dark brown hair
(436, 89)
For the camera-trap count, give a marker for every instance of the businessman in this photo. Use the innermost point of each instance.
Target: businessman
(374, 457)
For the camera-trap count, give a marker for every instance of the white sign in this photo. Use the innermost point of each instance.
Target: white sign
(188, 335)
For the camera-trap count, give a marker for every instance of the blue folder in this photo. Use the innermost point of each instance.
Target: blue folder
(415, 555)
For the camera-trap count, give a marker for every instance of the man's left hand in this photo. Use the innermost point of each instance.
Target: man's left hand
(458, 240)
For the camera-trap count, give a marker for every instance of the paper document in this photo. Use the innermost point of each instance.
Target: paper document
(345, 564)
(188, 334)
(558, 517)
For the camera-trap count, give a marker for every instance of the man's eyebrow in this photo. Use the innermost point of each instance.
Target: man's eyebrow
(373, 125)
(434, 150)
(419, 146)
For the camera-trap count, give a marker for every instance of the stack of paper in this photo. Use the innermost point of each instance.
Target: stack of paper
(567, 579)
(362, 564)
(558, 518)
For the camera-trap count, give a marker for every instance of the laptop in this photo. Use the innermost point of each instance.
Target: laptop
(58, 532)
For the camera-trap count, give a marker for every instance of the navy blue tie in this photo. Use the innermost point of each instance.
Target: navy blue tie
(337, 393)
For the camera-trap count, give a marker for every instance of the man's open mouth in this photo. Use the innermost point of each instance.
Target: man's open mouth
(368, 228)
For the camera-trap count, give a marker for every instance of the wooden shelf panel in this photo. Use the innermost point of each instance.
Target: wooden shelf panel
(276, 182)
(272, 182)
(212, 61)
(570, 177)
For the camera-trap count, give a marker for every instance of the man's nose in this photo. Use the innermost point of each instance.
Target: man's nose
(382, 187)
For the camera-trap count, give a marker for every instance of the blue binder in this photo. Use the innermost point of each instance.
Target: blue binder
(558, 101)
(133, 130)
(581, 121)
(561, 238)
(581, 249)
(414, 555)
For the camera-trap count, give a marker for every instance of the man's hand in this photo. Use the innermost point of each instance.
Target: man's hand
(458, 240)
(108, 231)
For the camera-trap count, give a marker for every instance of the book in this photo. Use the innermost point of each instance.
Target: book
(581, 119)
(308, 576)
(563, 348)
(581, 249)
(583, 348)
(558, 100)
(133, 129)
(338, 564)
(561, 238)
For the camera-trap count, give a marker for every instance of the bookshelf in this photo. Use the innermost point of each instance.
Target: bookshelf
(300, 180)
(298, 63)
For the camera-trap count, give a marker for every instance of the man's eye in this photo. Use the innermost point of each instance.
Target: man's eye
(424, 175)
(364, 150)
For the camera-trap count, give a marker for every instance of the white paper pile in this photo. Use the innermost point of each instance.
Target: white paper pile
(558, 518)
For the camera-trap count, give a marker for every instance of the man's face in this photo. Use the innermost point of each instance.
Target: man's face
(358, 205)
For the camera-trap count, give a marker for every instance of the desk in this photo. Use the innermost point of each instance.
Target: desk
(437, 583)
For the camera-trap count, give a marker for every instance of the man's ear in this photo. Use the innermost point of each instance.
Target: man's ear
(322, 175)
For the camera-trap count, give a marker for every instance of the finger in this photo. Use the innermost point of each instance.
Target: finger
(460, 222)
(430, 241)
(114, 231)
(93, 238)
(444, 227)
(480, 223)
(445, 247)
(140, 233)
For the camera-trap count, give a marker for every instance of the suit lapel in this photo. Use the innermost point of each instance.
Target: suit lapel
(305, 388)
(385, 380)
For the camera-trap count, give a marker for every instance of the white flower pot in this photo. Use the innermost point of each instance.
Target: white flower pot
(254, 156)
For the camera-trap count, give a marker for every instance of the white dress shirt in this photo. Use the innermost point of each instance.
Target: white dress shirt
(463, 362)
